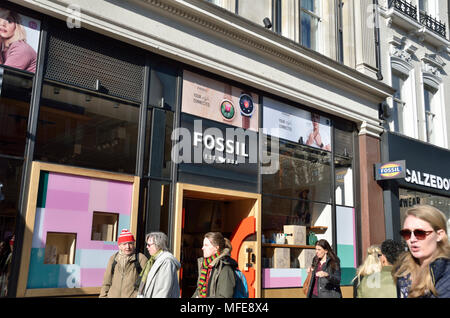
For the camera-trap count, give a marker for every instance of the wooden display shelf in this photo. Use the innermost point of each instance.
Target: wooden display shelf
(288, 246)
(317, 228)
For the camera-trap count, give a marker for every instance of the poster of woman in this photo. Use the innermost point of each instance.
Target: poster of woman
(19, 40)
(297, 125)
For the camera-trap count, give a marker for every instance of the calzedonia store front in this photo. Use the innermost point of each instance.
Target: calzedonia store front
(427, 179)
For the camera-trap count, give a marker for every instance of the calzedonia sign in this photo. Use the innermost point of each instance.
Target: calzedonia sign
(427, 179)
(390, 170)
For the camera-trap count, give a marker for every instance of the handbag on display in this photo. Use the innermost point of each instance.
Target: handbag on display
(312, 238)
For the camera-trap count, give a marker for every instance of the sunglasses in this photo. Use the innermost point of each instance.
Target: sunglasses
(419, 234)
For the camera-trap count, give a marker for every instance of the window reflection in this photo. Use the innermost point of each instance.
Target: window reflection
(302, 169)
(14, 108)
(344, 181)
(279, 212)
(83, 129)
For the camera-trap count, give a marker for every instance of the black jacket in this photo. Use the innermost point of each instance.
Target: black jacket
(329, 287)
(440, 274)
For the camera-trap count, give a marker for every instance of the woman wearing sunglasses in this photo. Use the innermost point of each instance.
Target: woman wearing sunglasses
(424, 271)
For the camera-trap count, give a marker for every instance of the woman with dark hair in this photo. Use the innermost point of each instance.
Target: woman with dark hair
(216, 268)
(326, 273)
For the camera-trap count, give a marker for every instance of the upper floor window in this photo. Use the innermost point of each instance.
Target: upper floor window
(398, 82)
(309, 23)
(430, 113)
(423, 5)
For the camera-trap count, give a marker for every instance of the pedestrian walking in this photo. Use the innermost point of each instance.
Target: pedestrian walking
(216, 268)
(122, 271)
(159, 279)
(326, 273)
(424, 271)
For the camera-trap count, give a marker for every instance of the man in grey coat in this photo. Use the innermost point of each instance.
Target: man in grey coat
(159, 278)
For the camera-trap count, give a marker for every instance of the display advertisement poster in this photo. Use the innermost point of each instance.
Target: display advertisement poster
(219, 101)
(19, 37)
(296, 125)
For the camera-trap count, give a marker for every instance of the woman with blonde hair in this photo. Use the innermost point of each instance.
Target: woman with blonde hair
(370, 266)
(15, 51)
(424, 271)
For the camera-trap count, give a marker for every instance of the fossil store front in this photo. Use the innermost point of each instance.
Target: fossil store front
(95, 140)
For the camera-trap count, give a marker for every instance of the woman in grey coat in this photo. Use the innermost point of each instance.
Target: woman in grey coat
(159, 278)
(326, 276)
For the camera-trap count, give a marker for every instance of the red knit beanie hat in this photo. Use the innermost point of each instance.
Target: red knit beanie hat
(125, 236)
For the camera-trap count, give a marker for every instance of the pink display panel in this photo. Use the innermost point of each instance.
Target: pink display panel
(66, 204)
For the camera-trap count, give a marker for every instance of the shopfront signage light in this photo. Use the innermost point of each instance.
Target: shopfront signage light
(390, 170)
(427, 180)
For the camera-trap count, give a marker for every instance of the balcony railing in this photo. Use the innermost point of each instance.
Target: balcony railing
(410, 10)
(432, 24)
(404, 7)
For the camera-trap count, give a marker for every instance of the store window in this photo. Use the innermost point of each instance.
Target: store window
(297, 200)
(15, 94)
(89, 130)
(304, 173)
(160, 116)
(10, 181)
(15, 97)
(343, 162)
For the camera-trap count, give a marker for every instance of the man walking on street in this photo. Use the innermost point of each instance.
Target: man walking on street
(123, 269)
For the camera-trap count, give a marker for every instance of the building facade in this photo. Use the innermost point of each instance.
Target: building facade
(188, 117)
(415, 59)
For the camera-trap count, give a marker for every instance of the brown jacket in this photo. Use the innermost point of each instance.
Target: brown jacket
(121, 284)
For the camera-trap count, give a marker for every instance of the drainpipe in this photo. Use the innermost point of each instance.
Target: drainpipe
(377, 40)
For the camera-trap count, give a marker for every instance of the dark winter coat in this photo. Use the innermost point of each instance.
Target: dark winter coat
(329, 287)
(221, 279)
(440, 274)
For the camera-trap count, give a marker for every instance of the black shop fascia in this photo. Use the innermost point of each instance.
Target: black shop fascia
(213, 154)
(427, 172)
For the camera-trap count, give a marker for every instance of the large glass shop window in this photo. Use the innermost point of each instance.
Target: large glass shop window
(343, 163)
(15, 94)
(304, 173)
(88, 130)
(296, 202)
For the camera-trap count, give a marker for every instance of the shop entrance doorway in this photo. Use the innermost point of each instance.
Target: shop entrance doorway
(235, 214)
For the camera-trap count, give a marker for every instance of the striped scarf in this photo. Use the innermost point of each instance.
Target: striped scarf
(202, 281)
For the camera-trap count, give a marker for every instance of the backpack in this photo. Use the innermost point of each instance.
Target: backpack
(136, 263)
(138, 269)
(241, 289)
